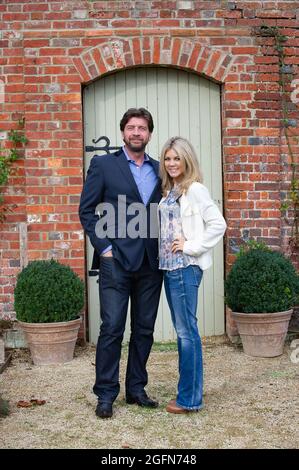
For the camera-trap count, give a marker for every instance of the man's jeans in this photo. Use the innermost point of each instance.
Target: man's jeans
(181, 287)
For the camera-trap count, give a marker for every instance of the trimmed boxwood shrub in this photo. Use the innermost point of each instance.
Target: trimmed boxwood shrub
(47, 291)
(261, 281)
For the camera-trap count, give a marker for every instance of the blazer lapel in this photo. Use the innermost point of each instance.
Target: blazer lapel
(186, 208)
(155, 165)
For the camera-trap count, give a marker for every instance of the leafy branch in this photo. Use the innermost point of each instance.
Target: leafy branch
(285, 79)
(7, 158)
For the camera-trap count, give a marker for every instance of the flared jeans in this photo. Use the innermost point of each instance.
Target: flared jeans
(181, 287)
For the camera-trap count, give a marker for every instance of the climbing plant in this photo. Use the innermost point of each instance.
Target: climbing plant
(7, 157)
(285, 81)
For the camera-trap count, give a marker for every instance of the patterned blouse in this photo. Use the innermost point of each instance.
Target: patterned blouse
(170, 229)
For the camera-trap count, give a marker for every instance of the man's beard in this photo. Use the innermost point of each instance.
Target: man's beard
(135, 147)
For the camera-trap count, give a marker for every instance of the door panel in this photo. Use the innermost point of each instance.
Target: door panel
(183, 104)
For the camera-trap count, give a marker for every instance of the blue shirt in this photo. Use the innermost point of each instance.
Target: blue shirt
(144, 176)
(145, 179)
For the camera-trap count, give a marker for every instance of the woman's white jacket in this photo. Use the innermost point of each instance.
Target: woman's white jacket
(202, 222)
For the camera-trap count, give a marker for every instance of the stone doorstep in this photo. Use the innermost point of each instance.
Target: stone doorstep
(14, 339)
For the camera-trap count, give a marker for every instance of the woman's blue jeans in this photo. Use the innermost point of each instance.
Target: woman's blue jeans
(181, 287)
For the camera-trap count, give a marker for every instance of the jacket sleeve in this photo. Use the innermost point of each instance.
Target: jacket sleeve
(92, 195)
(213, 222)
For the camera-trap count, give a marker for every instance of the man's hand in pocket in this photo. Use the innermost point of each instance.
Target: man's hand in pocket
(108, 254)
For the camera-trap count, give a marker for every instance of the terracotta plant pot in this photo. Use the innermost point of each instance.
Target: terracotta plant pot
(51, 343)
(263, 334)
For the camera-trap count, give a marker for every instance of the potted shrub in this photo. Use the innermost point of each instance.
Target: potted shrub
(48, 300)
(261, 289)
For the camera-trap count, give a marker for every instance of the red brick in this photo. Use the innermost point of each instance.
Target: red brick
(176, 45)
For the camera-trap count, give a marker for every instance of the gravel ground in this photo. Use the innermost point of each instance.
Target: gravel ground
(249, 403)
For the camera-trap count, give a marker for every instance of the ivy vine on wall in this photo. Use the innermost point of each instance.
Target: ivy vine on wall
(291, 202)
(7, 157)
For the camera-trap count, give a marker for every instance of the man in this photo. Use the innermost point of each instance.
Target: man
(117, 185)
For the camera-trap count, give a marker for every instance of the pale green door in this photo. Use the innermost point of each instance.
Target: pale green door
(182, 104)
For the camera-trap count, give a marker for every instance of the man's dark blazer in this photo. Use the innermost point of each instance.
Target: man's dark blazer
(108, 177)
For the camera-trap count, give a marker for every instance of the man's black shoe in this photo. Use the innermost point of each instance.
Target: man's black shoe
(104, 410)
(142, 400)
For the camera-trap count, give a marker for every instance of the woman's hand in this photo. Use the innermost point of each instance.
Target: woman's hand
(178, 244)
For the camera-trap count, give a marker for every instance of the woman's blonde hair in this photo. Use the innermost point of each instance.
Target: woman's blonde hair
(184, 149)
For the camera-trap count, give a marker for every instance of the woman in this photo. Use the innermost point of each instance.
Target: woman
(190, 226)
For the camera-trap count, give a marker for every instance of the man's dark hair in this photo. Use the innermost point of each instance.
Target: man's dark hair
(139, 113)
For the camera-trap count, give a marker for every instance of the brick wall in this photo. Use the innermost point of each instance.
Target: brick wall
(50, 48)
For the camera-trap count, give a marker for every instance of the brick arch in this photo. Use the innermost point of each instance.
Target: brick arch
(119, 54)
